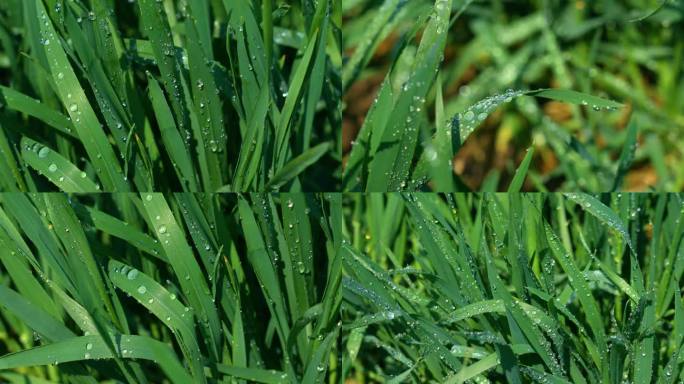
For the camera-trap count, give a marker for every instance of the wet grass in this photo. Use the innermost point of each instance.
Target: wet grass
(447, 79)
(183, 288)
(513, 288)
(147, 95)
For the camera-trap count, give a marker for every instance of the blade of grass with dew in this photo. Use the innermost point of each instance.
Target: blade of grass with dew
(171, 137)
(602, 213)
(207, 106)
(56, 168)
(384, 17)
(114, 114)
(93, 348)
(88, 274)
(250, 154)
(255, 375)
(19, 269)
(284, 124)
(368, 139)
(73, 97)
(180, 256)
(441, 154)
(475, 369)
(584, 294)
(165, 307)
(265, 271)
(574, 97)
(298, 263)
(32, 225)
(318, 74)
(13, 99)
(43, 324)
(389, 169)
(117, 228)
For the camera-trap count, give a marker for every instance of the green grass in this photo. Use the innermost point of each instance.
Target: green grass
(513, 288)
(146, 95)
(451, 74)
(201, 288)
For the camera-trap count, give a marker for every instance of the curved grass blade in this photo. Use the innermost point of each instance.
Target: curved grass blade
(574, 97)
(649, 14)
(18, 101)
(471, 371)
(164, 306)
(297, 165)
(56, 168)
(603, 213)
(121, 229)
(93, 348)
(464, 123)
(34, 316)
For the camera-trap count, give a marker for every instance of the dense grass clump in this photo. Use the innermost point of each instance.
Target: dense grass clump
(183, 288)
(514, 288)
(169, 95)
(437, 95)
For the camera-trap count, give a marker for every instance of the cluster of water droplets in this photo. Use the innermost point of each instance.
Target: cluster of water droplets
(466, 121)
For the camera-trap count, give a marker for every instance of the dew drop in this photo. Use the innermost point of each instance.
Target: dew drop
(162, 229)
(43, 152)
(132, 274)
(52, 167)
(142, 289)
